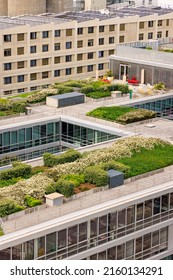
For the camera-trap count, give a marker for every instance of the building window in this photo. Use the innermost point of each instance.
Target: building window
(45, 61)
(79, 70)
(79, 56)
(101, 54)
(150, 35)
(20, 51)
(68, 58)
(167, 22)
(57, 46)
(100, 66)
(57, 33)
(159, 34)
(45, 48)
(121, 39)
(7, 38)
(90, 55)
(167, 32)
(111, 52)
(101, 41)
(122, 27)
(7, 80)
(151, 23)
(7, 66)
(57, 73)
(33, 88)
(80, 31)
(101, 28)
(90, 68)
(112, 27)
(79, 44)
(20, 78)
(7, 52)
(45, 34)
(90, 42)
(45, 75)
(20, 64)
(141, 25)
(111, 40)
(68, 45)
(33, 49)
(68, 71)
(57, 59)
(90, 29)
(20, 37)
(159, 23)
(33, 77)
(33, 63)
(141, 36)
(33, 35)
(69, 32)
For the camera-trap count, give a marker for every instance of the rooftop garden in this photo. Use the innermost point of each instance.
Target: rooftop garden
(72, 172)
(121, 114)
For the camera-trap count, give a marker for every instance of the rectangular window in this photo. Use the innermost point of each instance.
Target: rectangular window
(68, 71)
(68, 45)
(80, 31)
(68, 58)
(7, 52)
(101, 54)
(7, 38)
(90, 43)
(90, 29)
(79, 56)
(33, 76)
(20, 64)
(45, 75)
(111, 40)
(100, 66)
(90, 68)
(122, 27)
(7, 66)
(156, 206)
(57, 46)
(20, 51)
(33, 35)
(45, 61)
(121, 218)
(101, 41)
(159, 23)
(167, 32)
(57, 59)
(33, 63)
(90, 55)
(20, 37)
(148, 209)
(45, 48)
(141, 36)
(57, 33)
(33, 49)
(159, 34)
(112, 27)
(7, 80)
(20, 78)
(167, 22)
(79, 69)
(139, 214)
(121, 39)
(57, 73)
(151, 23)
(45, 34)
(111, 52)
(150, 35)
(141, 25)
(69, 32)
(101, 28)
(79, 44)
(51, 243)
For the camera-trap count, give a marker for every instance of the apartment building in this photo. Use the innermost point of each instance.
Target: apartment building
(37, 51)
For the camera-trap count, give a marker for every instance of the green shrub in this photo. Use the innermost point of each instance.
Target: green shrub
(87, 89)
(8, 207)
(76, 179)
(109, 113)
(22, 170)
(69, 156)
(116, 166)
(159, 86)
(19, 106)
(135, 116)
(50, 189)
(63, 89)
(73, 83)
(31, 201)
(96, 175)
(64, 187)
(98, 94)
(6, 183)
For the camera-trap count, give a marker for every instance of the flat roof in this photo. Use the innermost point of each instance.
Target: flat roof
(66, 95)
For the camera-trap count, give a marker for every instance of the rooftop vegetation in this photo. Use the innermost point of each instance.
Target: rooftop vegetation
(129, 155)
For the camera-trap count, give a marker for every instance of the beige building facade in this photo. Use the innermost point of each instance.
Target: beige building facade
(40, 50)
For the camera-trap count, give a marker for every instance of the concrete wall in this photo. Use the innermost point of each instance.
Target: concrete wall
(58, 6)
(3, 7)
(95, 4)
(19, 7)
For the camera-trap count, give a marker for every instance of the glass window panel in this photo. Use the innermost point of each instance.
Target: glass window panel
(28, 133)
(57, 128)
(113, 221)
(129, 248)
(64, 128)
(157, 205)
(43, 131)
(148, 209)
(120, 252)
(139, 211)
(36, 132)
(13, 137)
(121, 218)
(21, 135)
(50, 129)
(6, 136)
(155, 238)
(112, 253)
(102, 255)
(5, 254)
(130, 215)
(28, 250)
(138, 245)
(41, 246)
(62, 238)
(102, 224)
(17, 252)
(165, 202)
(93, 227)
(72, 235)
(147, 241)
(0, 139)
(93, 257)
(171, 200)
(51, 243)
(82, 231)
(163, 235)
